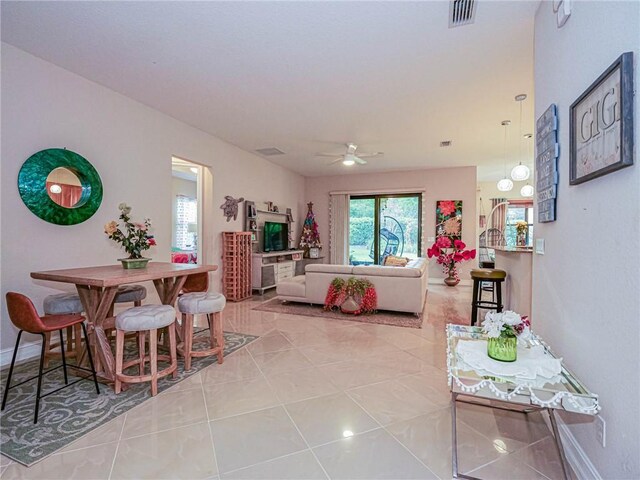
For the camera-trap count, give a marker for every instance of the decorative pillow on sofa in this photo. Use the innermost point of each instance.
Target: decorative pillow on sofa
(393, 261)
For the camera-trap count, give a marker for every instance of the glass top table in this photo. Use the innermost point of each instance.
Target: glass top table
(562, 392)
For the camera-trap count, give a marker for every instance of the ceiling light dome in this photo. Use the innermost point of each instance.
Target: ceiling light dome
(348, 160)
(526, 191)
(55, 188)
(520, 173)
(505, 185)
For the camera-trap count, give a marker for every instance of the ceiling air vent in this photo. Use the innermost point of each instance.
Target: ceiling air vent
(461, 12)
(445, 143)
(269, 151)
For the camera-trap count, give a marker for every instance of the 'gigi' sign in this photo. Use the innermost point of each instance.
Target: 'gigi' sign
(601, 124)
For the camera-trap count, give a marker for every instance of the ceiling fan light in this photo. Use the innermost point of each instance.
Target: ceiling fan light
(348, 162)
(520, 173)
(526, 191)
(505, 185)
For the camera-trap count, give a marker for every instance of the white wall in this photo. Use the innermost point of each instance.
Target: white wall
(131, 146)
(586, 300)
(439, 184)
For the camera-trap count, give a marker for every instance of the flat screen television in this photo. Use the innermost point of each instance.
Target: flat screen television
(276, 236)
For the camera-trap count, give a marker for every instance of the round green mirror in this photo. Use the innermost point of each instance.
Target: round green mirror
(60, 186)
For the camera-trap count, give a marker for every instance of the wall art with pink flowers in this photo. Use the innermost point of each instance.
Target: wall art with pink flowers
(449, 219)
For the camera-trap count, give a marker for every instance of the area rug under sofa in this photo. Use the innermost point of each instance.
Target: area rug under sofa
(382, 317)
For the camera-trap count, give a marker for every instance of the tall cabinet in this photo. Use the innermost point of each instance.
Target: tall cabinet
(236, 264)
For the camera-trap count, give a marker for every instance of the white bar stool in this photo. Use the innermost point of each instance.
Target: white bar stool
(149, 318)
(201, 303)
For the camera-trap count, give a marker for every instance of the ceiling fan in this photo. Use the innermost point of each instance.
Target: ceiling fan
(350, 158)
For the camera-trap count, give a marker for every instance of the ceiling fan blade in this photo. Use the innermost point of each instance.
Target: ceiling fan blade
(339, 159)
(332, 155)
(369, 155)
(359, 161)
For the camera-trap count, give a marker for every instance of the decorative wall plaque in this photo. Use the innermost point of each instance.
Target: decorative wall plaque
(547, 150)
(601, 124)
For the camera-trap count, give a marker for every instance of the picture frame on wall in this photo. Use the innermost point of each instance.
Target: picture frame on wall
(601, 124)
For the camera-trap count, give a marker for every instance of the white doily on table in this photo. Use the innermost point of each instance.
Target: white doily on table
(531, 363)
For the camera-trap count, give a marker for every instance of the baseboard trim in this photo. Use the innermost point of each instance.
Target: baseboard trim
(440, 281)
(25, 352)
(576, 456)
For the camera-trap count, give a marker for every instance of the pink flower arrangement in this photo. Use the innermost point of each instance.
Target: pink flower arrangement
(449, 254)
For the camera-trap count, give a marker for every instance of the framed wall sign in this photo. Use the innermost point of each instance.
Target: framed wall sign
(601, 124)
(547, 151)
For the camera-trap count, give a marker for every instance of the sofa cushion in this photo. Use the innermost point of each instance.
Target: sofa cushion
(381, 271)
(292, 287)
(327, 268)
(393, 261)
(420, 263)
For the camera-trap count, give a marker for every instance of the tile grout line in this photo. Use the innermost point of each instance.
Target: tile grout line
(291, 419)
(395, 439)
(115, 455)
(206, 409)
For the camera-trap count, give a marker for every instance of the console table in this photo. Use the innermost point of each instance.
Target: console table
(565, 392)
(267, 269)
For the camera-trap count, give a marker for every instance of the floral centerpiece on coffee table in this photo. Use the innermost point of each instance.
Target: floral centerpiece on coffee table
(134, 239)
(448, 254)
(503, 330)
(354, 296)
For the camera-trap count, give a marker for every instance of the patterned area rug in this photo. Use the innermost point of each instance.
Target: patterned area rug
(384, 317)
(72, 412)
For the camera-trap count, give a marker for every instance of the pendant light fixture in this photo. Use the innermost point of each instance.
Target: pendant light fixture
(505, 185)
(520, 172)
(527, 190)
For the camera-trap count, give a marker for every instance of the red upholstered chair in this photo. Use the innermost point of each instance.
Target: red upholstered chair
(25, 317)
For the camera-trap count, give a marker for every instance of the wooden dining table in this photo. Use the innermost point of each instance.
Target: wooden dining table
(97, 287)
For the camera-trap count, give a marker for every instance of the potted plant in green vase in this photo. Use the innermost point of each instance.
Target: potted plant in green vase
(502, 330)
(135, 239)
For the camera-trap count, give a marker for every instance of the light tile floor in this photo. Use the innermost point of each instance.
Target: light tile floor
(313, 398)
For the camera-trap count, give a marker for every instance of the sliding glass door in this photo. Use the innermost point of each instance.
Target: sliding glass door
(382, 225)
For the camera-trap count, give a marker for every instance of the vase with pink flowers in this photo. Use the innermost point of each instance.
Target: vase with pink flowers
(449, 254)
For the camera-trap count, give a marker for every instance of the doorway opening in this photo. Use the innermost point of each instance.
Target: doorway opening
(383, 225)
(186, 211)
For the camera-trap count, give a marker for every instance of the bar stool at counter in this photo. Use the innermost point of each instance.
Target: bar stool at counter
(486, 275)
(149, 318)
(24, 316)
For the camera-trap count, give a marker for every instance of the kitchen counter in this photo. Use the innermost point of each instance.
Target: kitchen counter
(514, 249)
(517, 262)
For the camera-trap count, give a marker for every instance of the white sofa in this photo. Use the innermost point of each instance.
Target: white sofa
(400, 289)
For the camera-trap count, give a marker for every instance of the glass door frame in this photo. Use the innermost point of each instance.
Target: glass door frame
(376, 218)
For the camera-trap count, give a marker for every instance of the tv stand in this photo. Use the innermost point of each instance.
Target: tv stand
(267, 269)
